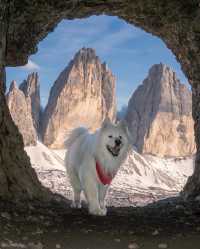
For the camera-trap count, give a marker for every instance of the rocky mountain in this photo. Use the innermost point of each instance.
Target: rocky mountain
(82, 95)
(159, 115)
(31, 88)
(20, 110)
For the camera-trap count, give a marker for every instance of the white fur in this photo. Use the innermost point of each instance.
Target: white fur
(83, 149)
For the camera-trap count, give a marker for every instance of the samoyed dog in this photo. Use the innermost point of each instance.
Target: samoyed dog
(92, 161)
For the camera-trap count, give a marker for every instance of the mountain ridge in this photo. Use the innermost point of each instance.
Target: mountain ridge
(84, 94)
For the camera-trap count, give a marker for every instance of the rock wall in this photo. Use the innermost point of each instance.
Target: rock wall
(192, 187)
(159, 115)
(83, 95)
(19, 181)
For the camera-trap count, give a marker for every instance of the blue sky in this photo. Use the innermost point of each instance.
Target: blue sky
(128, 51)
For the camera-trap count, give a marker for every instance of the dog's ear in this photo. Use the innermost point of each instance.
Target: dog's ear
(106, 122)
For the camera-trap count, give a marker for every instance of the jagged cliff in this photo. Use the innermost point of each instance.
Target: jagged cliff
(82, 95)
(20, 110)
(159, 115)
(31, 88)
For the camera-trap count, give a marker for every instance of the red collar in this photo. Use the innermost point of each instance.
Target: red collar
(105, 178)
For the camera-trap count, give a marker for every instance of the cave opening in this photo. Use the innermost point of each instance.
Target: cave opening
(136, 70)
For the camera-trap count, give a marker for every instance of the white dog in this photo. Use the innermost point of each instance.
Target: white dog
(92, 161)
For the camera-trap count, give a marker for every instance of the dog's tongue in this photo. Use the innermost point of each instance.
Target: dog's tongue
(116, 148)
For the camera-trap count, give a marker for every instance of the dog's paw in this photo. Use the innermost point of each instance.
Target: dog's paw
(102, 206)
(98, 212)
(104, 210)
(76, 205)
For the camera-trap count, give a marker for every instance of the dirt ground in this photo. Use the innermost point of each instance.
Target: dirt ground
(166, 224)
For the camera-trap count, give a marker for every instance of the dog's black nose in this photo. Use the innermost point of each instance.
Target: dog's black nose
(118, 142)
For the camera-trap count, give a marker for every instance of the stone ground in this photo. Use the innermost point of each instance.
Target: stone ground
(166, 224)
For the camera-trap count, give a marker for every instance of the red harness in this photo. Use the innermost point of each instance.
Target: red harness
(105, 178)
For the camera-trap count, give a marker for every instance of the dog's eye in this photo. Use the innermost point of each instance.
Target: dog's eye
(120, 137)
(110, 136)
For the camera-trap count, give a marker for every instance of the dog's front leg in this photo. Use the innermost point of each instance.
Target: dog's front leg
(92, 195)
(102, 195)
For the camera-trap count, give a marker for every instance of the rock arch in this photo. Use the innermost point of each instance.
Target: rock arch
(24, 23)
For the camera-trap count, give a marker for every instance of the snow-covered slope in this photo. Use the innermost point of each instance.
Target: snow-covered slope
(42, 158)
(142, 179)
(150, 171)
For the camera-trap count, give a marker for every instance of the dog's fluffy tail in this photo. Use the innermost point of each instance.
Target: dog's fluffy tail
(73, 135)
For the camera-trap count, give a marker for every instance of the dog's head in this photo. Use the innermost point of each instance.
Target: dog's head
(115, 139)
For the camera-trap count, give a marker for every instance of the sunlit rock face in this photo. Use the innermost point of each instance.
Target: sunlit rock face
(82, 95)
(159, 115)
(20, 110)
(31, 88)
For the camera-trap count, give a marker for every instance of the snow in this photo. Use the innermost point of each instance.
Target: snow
(153, 172)
(42, 158)
(142, 178)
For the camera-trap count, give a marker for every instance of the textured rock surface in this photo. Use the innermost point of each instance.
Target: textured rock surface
(160, 115)
(31, 88)
(83, 95)
(192, 188)
(18, 179)
(20, 110)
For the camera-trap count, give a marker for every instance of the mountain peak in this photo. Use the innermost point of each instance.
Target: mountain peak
(82, 95)
(158, 69)
(31, 84)
(31, 88)
(20, 110)
(13, 85)
(160, 114)
(86, 51)
(85, 55)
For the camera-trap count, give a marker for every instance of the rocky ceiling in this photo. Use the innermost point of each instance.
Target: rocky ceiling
(174, 21)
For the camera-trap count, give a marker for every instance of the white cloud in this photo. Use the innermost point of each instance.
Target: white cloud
(30, 66)
(96, 32)
(117, 39)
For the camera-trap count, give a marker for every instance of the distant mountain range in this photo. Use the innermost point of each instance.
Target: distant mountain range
(158, 113)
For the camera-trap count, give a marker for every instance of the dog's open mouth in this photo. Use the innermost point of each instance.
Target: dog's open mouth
(113, 150)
